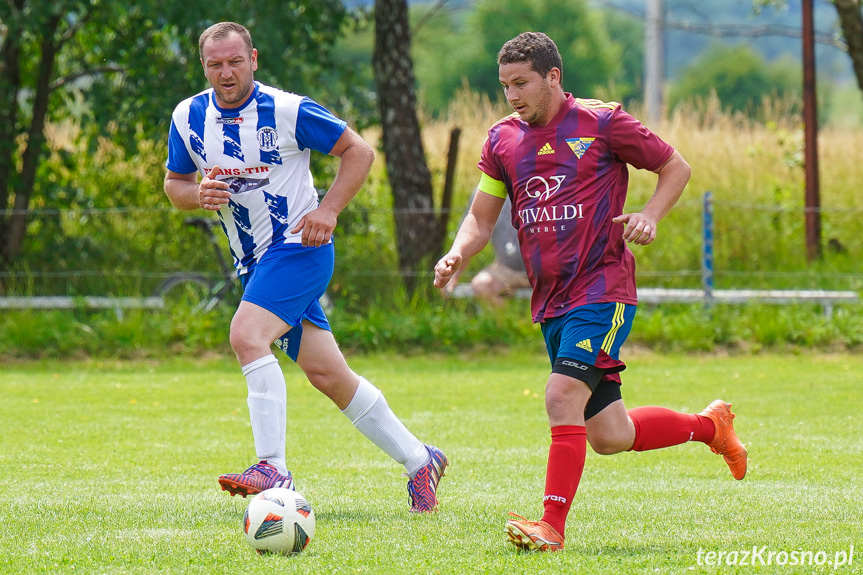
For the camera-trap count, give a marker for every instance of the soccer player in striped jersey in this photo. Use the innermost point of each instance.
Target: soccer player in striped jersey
(563, 163)
(242, 149)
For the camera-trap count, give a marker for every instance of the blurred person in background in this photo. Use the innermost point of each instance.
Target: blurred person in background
(506, 274)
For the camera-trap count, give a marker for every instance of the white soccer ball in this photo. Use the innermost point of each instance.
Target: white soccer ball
(279, 520)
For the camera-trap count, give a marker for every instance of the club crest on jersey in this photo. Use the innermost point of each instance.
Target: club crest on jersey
(579, 145)
(238, 120)
(268, 139)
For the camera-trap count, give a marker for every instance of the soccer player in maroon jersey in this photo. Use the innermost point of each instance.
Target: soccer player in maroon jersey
(563, 161)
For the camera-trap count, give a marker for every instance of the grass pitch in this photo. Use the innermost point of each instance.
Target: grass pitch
(111, 468)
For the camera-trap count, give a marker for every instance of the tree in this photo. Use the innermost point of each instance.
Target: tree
(850, 13)
(851, 22)
(738, 76)
(417, 228)
(590, 57)
(120, 66)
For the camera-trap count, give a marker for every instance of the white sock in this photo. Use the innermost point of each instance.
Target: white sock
(267, 409)
(370, 414)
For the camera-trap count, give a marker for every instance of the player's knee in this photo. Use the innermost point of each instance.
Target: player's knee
(485, 286)
(608, 443)
(323, 382)
(247, 348)
(564, 396)
(326, 378)
(239, 343)
(555, 395)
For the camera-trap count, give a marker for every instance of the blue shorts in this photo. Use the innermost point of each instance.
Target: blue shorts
(289, 281)
(591, 336)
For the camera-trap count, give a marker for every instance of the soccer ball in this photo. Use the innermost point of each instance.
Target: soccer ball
(279, 520)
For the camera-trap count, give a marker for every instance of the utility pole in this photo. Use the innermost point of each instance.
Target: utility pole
(654, 60)
(810, 136)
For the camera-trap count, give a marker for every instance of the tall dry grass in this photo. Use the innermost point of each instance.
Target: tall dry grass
(755, 170)
(736, 157)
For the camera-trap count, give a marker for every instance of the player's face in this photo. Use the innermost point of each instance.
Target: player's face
(529, 94)
(230, 70)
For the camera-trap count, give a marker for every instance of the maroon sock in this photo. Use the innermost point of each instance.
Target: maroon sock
(658, 427)
(565, 465)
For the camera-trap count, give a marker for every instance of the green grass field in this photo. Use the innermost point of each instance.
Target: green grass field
(111, 468)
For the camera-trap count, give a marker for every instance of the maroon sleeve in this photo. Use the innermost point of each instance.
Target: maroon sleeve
(487, 162)
(634, 144)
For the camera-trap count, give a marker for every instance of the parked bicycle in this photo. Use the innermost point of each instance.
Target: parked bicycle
(202, 292)
(198, 291)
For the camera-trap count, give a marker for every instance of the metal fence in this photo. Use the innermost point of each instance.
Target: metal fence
(705, 244)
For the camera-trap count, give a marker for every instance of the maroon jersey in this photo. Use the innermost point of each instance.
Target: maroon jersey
(567, 180)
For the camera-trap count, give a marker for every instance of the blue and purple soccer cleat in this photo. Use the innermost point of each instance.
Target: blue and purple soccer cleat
(422, 489)
(259, 477)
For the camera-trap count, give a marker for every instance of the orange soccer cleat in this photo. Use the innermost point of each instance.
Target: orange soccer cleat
(533, 535)
(725, 441)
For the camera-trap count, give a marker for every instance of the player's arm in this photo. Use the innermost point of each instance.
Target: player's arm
(672, 178)
(356, 158)
(473, 235)
(186, 193)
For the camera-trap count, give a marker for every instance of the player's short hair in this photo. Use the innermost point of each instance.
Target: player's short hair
(536, 49)
(221, 31)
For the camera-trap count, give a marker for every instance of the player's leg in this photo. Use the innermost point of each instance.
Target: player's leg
(614, 429)
(609, 428)
(497, 280)
(361, 402)
(365, 406)
(273, 302)
(565, 398)
(588, 341)
(574, 346)
(486, 286)
(658, 427)
(252, 330)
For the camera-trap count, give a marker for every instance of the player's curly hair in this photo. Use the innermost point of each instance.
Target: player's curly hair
(536, 49)
(222, 30)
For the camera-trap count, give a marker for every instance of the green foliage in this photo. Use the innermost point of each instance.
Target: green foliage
(739, 77)
(417, 325)
(120, 237)
(100, 214)
(627, 33)
(421, 324)
(156, 43)
(750, 328)
(447, 55)
(116, 70)
(454, 48)
(589, 56)
(115, 467)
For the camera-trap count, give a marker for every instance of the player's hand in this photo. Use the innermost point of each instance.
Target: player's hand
(445, 269)
(640, 229)
(317, 227)
(213, 193)
(449, 288)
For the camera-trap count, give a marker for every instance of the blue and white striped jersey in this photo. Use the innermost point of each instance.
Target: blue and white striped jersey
(263, 151)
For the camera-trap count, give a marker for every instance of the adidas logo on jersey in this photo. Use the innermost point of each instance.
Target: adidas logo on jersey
(585, 344)
(546, 149)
